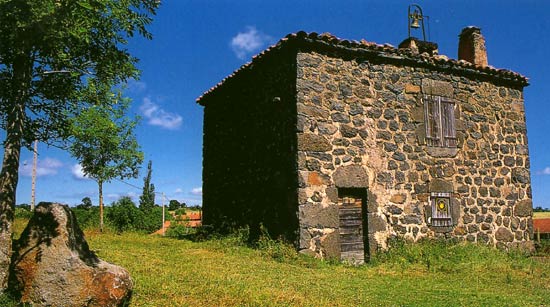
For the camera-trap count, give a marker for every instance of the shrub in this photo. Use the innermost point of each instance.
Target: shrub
(152, 221)
(7, 300)
(278, 250)
(177, 231)
(23, 213)
(124, 215)
(87, 218)
(180, 211)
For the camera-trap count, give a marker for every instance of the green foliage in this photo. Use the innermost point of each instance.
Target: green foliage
(57, 56)
(124, 215)
(178, 231)
(85, 204)
(175, 205)
(7, 301)
(152, 220)
(278, 250)
(179, 212)
(87, 218)
(104, 143)
(147, 198)
(541, 209)
(444, 256)
(59, 59)
(238, 275)
(23, 213)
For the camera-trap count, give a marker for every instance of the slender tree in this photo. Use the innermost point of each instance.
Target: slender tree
(54, 56)
(86, 203)
(147, 198)
(103, 142)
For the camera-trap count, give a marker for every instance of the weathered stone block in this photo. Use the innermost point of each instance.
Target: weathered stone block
(53, 265)
(313, 142)
(326, 128)
(330, 245)
(372, 202)
(318, 216)
(350, 176)
(524, 208)
(398, 198)
(312, 111)
(436, 87)
(440, 185)
(332, 194)
(348, 131)
(376, 223)
(412, 89)
(305, 238)
(394, 210)
(412, 219)
(520, 175)
(504, 235)
(316, 178)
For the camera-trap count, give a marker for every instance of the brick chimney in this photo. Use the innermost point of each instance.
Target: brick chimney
(471, 46)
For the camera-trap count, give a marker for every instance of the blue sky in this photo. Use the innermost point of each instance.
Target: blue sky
(197, 43)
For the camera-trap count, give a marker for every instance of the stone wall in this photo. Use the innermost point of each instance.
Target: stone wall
(363, 119)
(249, 150)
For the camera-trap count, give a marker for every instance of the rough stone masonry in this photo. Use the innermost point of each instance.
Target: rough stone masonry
(340, 145)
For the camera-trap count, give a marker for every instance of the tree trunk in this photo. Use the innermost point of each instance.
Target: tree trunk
(9, 176)
(100, 184)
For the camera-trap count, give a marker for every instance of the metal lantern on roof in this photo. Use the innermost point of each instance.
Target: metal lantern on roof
(416, 19)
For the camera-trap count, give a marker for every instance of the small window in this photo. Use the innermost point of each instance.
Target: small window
(440, 121)
(441, 209)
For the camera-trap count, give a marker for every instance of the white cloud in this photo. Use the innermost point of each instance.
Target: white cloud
(545, 171)
(247, 42)
(178, 191)
(157, 116)
(78, 172)
(136, 86)
(196, 191)
(46, 167)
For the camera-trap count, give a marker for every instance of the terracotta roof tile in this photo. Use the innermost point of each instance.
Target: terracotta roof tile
(541, 225)
(386, 50)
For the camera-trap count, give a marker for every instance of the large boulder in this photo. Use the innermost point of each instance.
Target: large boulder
(52, 265)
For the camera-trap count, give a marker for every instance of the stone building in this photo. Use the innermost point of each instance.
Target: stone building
(339, 145)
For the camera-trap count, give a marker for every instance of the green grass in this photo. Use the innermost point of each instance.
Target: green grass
(169, 272)
(225, 272)
(541, 215)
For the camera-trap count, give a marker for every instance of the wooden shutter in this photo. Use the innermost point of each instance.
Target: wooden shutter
(440, 121)
(441, 209)
(448, 123)
(432, 120)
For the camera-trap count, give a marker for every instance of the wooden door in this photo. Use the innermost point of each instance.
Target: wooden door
(352, 246)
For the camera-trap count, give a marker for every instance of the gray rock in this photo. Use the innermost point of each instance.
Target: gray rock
(520, 175)
(348, 131)
(53, 265)
(312, 111)
(412, 219)
(524, 208)
(350, 176)
(317, 216)
(376, 223)
(313, 142)
(504, 235)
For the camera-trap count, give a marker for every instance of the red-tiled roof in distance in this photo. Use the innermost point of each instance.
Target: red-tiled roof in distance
(328, 41)
(541, 225)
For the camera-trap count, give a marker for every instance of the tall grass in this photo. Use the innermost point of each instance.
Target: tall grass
(227, 271)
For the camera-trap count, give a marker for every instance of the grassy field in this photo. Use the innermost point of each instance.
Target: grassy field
(541, 215)
(224, 272)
